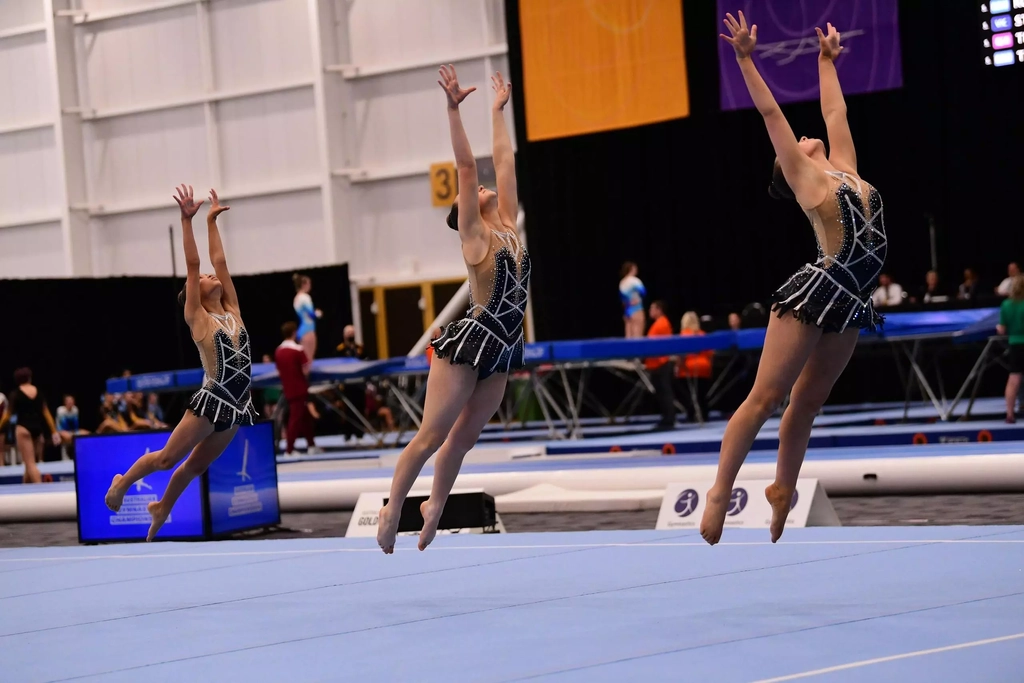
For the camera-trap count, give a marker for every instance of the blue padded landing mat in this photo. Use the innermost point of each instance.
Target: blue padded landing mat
(840, 604)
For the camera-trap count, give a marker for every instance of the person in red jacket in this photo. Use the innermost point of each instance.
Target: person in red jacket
(293, 368)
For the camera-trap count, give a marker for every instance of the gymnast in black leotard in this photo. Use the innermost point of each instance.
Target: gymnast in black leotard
(27, 407)
(473, 356)
(224, 402)
(823, 307)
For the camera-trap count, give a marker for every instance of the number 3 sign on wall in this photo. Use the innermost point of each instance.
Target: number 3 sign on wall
(444, 184)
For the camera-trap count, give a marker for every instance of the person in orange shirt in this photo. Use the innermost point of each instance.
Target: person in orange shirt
(695, 368)
(661, 369)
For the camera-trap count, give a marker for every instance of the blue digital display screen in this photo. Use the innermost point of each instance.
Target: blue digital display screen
(242, 482)
(97, 460)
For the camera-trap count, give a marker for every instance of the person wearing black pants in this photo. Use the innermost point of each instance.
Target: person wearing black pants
(662, 370)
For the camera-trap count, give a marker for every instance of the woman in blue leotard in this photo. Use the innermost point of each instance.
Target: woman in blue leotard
(308, 315)
(632, 292)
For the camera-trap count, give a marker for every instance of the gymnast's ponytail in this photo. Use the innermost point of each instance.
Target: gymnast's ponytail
(779, 188)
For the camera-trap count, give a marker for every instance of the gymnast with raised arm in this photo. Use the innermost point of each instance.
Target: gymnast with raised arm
(485, 345)
(225, 400)
(823, 307)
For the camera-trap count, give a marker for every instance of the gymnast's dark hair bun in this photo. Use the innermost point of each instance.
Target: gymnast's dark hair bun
(779, 189)
(298, 280)
(181, 296)
(453, 217)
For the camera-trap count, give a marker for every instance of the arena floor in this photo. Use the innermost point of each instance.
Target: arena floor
(832, 604)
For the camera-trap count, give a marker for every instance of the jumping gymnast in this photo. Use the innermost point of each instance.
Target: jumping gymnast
(225, 401)
(827, 302)
(485, 345)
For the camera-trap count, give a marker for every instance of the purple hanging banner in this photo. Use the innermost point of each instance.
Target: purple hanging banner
(787, 47)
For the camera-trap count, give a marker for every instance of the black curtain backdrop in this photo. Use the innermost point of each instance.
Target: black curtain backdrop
(687, 199)
(76, 333)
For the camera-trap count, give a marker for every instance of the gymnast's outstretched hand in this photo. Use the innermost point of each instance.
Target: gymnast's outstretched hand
(502, 90)
(188, 204)
(450, 82)
(216, 208)
(742, 39)
(830, 48)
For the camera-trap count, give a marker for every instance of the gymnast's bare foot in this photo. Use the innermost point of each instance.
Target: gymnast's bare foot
(714, 515)
(431, 516)
(781, 500)
(387, 529)
(159, 515)
(115, 496)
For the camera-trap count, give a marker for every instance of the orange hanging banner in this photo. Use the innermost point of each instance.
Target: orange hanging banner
(597, 65)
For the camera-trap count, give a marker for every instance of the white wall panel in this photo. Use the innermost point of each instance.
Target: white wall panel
(270, 233)
(403, 117)
(33, 251)
(24, 75)
(143, 157)
(142, 59)
(138, 243)
(18, 13)
(407, 30)
(260, 234)
(259, 41)
(268, 138)
(399, 235)
(30, 182)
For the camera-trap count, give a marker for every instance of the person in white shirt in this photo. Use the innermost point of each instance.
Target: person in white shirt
(1012, 271)
(888, 293)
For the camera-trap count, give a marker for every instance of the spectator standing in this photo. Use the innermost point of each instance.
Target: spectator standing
(695, 368)
(28, 406)
(293, 369)
(661, 370)
(1011, 323)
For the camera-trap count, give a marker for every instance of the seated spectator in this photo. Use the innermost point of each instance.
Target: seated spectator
(661, 370)
(349, 348)
(888, 294)
(968, 290)
(133, 412)
(154, 413)
(67, 422)
(1012, 271)
(933, 292)
(735, 322)
(696, 367)
(111, 421)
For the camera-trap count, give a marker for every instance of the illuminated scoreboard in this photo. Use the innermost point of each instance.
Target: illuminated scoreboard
(1002, 32)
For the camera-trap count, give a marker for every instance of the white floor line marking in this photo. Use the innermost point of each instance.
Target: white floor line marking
(553, 546)
(893, 658)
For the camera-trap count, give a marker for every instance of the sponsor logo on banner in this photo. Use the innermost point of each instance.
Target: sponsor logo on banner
(682, 506)
(686, 503)
(738, 502)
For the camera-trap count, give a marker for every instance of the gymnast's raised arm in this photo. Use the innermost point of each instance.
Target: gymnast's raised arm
(471, 226)
(504, 157)
(805, 179)
(220, 263)
(193, 298)
(833, 107)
